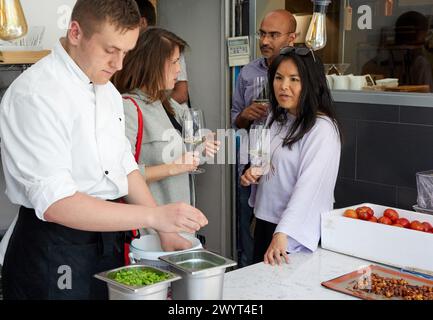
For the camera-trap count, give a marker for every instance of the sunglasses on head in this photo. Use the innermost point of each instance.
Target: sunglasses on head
(300, 51)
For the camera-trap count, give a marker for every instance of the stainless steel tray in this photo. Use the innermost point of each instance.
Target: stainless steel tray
(107, 277)
(196, 261)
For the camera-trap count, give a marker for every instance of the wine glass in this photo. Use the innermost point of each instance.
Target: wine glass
(193, 133)
(261, 94)
(259, 145)
(341, 67)
(328, 67)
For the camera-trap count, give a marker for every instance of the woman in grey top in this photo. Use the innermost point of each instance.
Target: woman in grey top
(149, 73)
(305, 145)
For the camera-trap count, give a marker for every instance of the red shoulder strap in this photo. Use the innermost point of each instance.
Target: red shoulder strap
(140, 129)
(136, 156)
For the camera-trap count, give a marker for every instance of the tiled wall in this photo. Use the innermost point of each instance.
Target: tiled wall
(383, 149)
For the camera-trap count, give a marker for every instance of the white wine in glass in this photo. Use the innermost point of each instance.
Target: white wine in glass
(193, 132)
(259, 146)
(261, 95)
(261, 90)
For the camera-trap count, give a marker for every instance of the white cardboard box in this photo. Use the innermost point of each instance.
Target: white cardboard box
(399, 247)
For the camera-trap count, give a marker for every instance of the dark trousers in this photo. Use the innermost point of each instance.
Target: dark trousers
(48, 261)
(263, 233)
(245, 217)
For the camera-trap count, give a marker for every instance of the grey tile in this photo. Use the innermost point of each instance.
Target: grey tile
(364, 111)
(391, 154)
(350, 192)
(416, 115)
(348, 150)
(406, 198)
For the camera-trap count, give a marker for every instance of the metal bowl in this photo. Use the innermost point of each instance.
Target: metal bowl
(202, 274)
(120, 291)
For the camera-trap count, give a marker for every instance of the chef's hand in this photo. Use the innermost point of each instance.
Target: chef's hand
(188, 162)
(276, 249)
(173, 242)
(211, 145)
(255, 111)
(177, 217)
(251, 176)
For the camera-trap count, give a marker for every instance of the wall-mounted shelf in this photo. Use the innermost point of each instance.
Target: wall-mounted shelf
(22, 57)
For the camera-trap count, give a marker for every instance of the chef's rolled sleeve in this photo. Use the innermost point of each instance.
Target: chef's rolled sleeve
(128, 162)
(44, 193)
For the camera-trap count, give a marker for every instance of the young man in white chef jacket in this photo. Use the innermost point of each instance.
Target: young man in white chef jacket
(65, 153)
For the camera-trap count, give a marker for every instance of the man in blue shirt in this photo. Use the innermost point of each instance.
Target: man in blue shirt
(277, 30)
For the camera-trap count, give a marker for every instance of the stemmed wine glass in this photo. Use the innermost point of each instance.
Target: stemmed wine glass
(193, 133)
(259, 146)
(328, 67)
(261, 94)
(341, 67)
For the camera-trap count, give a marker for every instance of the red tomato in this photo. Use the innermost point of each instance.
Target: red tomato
(350, 213)
(416, 225)
(364, 212)
(404, 222)
(385, 220)
(427, 226)
(392, 214)
(363, 215)
(372, 219)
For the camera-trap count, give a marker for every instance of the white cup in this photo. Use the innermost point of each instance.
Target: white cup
(340, 82)
(330, 81)
(359, 82)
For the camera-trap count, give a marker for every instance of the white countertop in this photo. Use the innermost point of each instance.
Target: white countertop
(299, 280)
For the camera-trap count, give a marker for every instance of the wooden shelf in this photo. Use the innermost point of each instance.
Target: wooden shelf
(22, 57)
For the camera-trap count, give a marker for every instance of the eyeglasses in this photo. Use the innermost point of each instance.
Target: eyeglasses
(273, 35)
(301, 51)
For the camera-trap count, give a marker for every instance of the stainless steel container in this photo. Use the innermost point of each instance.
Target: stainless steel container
(202, 274)
(120, 291)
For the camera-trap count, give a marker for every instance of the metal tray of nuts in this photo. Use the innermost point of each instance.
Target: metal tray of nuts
(378, 283)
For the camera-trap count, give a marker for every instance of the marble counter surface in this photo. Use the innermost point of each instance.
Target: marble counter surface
(299, 280)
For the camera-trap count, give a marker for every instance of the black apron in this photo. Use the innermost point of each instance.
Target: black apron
(39, 253)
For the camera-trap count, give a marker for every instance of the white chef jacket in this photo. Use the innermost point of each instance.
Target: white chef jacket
(61, 134)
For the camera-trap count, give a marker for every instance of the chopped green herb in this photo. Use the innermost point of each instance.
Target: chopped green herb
(139, 276)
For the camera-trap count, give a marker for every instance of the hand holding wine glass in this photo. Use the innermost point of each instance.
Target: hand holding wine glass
(193, 132)
(259, 145)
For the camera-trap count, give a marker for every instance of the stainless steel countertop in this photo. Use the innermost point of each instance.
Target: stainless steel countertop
(385, 98)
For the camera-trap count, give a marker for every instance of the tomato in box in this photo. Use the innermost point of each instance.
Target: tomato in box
(416, 225)
(392, 214)
(404, 222)
(372, 219)
(364, 212)
(385, 220)
(350, 213)
(427, 226)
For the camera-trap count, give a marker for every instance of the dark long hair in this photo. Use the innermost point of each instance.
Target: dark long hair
(315, 97)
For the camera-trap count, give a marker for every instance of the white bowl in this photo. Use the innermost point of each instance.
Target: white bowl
(147, 249)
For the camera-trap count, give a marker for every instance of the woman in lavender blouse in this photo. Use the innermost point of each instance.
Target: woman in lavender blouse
(305, 143)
